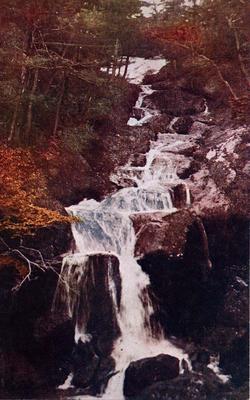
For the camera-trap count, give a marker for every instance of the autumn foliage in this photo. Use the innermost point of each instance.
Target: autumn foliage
(22, 188)
(186, 34)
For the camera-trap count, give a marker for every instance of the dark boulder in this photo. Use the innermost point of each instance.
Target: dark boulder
(190, 386)
(169, 232)
(183, 125)
(163, 85)
(138, 113)
(177, 102)
(85, 363)
(179, 272)
(93, 310)
(143, 373)
(235, 360)
(138, 160)
(90, 371)
(180, 195)
(105, 371)
(180, 234)
(159, 123)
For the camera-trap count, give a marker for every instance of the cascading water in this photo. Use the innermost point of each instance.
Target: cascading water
(106, 228)
(145, 112)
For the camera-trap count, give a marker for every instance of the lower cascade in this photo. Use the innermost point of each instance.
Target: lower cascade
(104, 231)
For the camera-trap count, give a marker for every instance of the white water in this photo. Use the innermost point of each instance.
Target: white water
(105, 227)
(146, 112)
(214, 366)
(139, 67)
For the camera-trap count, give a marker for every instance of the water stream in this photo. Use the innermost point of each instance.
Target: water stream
(106, 228)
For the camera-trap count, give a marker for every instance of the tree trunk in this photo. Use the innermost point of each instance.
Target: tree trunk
(115, 57)
(126, 67)
(240, 59)
(120, 66)
(18, 105)
(30, 105)
(58, 108)
(46, 91)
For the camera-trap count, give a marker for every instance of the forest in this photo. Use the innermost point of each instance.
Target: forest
(60, 77)
(67, 99)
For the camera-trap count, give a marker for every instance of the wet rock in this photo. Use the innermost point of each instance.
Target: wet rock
(190, 386)
(91, 301)
(199, 128)
(235, 304)
(177, 102)
(163, 85)
(228, 242)
(183, 125)
(138, 113)
(180, 195)
(169, 232)
(138, 160)
(179, 273)
(160, 123)
(194, 167)
(143, 373)
(85, 363)
(199, 359)
(104, 372)
(235, 360)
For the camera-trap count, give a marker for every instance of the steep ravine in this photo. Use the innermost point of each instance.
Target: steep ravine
(150, 189)
(169, 218)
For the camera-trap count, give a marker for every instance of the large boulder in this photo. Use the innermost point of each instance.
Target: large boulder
(144, 373)
(190, 386)
(159, 123)
(168, 230)
(85, 363)
(91, 303)
(176, 102)
(138, 160)
(183, 125)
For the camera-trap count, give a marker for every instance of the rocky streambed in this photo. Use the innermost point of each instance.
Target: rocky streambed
(191, 243)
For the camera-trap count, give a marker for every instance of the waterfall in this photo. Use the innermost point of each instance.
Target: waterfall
(105, 228)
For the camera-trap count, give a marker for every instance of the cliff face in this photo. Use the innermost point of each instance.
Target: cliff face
(204, 308)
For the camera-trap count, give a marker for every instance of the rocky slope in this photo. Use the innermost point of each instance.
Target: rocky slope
(197, 260)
